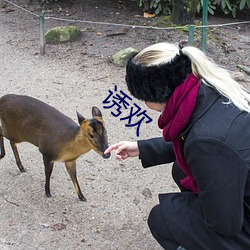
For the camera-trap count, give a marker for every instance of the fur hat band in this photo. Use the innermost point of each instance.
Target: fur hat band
(156, 83)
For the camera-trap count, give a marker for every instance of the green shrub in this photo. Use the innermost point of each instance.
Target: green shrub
(165, 6)
(156, 6)
(211, 7)
(232, 6)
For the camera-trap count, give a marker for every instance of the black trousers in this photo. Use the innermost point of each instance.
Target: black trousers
(156, 222)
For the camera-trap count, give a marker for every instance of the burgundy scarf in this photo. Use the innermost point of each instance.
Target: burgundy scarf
(174, 119)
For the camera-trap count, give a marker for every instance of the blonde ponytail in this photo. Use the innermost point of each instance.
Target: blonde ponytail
(218, 78)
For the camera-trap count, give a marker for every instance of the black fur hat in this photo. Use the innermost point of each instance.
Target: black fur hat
(156, 83)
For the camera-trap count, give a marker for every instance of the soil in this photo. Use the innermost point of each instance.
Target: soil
(77, 76)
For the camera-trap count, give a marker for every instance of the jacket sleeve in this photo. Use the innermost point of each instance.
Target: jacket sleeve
(155, 151)
(220, 173)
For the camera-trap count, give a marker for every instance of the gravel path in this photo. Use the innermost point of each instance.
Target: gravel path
(120, 195)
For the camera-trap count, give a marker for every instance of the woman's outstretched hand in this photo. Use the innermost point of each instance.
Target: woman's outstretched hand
(124, 150)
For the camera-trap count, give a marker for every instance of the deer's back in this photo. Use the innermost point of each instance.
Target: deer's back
(24, 118)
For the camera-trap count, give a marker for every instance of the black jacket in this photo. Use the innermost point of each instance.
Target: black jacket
(216, 145)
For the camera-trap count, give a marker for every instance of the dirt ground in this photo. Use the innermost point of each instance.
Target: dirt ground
(77, 76)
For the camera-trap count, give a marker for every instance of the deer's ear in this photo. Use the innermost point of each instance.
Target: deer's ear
(80, 118)
(96, 112)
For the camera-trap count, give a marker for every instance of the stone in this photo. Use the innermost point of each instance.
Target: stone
(2, 3)
(121, 58)
(63, 34)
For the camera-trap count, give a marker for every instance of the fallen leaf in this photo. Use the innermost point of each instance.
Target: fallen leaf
(147, 15)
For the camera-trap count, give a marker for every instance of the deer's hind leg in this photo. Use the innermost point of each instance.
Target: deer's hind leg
(1, 144)
(18, 161)
(71, 168)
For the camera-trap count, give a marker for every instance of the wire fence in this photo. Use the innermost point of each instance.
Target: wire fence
(191, 28)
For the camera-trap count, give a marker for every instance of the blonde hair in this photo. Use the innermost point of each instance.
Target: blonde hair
(202, 67)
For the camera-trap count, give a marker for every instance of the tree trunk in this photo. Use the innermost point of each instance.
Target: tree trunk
(183, 11)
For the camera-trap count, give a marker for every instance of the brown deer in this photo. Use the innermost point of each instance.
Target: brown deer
(59, 138)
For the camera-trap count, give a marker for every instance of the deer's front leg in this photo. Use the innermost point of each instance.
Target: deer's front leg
(48, 165)
(71, 168)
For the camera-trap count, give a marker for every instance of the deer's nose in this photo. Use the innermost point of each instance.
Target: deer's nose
(106, 156)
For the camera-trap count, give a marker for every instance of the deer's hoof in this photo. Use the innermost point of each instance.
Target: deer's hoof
(82, 198)
(48, 195)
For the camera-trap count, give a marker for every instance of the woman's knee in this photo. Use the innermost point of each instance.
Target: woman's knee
(159, 229)
(153, 218)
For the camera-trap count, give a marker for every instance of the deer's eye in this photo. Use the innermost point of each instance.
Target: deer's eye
(91, 136)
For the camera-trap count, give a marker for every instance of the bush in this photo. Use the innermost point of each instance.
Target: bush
(156, 6)
(165, 6)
